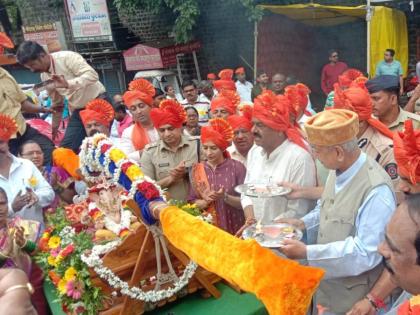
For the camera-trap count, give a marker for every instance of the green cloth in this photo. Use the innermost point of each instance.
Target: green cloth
(51, 296)
(230, 302)
(389, 68)
(330, 100)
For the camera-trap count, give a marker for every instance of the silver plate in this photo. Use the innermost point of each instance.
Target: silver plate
(262, 190)
(272, 235)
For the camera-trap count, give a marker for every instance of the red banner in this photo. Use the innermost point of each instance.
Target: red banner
(141, 57)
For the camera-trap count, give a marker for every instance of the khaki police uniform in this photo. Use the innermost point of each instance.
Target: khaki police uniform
(158, 160)
(398, 124)
(380, 148)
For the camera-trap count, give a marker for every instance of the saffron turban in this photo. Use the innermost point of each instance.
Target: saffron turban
(226, 99)
(347, 77)
(170, 112)
(241, 121)
(67, 160)
(240, 70)
(219, 132)
(273, 111)
(225, 82)
(358, 100)
(8, 127)
(139, 90)
(407, 152)
(211, 76)
(298, 98)
(143, 86)
(130, 97)
(98, 110)
(332, 127)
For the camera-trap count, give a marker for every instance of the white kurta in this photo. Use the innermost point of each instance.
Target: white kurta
(126, 144)
(244, 90)
(289, 162)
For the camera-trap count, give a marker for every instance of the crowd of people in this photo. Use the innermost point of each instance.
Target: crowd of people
(353, 168)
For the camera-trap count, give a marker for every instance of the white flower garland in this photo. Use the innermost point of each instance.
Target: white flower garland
(118, 227)
(66, 235)
(89, 157)
(94, 261)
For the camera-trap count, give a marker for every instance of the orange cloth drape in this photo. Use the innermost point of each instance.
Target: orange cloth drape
(284, 286)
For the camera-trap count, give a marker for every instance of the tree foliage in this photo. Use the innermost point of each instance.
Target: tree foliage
(186, 12)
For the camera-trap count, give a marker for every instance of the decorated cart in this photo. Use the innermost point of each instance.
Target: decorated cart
(125, 250)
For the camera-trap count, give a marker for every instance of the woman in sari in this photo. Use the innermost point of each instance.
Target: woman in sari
(16, 244)
(213, 182)
(60, 180)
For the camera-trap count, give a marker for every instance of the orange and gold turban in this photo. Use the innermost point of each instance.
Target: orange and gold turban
(130, 97)
(211, 76)
(347, 77)
(8, 127)
(273, 111)
(298, 98)
(332, 127)
(98, 110)
(358, 100)
(240, 70)
(407, 152)
(243, 121)
(143, 86)
(219, 132)
(68, 160)
(5, 42)
(225, 82)
(226, 99)
(170, 112)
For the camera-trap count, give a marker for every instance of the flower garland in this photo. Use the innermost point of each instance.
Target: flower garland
(94, 261)
(99, 155)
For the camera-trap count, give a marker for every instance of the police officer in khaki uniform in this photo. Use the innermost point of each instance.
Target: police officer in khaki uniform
(167, 160)
(384, 91)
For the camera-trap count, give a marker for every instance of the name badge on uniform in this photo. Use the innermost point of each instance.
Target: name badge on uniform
(164, 164)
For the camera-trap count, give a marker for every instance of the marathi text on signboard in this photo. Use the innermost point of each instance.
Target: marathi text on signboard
(48, 35)
(89, 20)
(142, 57)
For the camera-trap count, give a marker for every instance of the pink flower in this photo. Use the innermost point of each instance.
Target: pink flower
(74, 289)
(54, 252)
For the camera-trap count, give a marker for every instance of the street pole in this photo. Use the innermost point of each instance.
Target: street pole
(369, 11)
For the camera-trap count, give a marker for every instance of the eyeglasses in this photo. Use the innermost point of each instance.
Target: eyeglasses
(33, 153)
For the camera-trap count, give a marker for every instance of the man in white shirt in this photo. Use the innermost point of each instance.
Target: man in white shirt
(192, 98)
(280, 155)
(347, 225)
(27, 190)
(243, 139)
(243, 87)
(142, 132)
(72, 77)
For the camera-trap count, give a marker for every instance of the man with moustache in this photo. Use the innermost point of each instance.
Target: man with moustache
(243, 139)
(401, 256)
(384, 91)
(97, 117)
(407, 152)
(167, 160)
(345, 228)
(71, 77)
(280, 154)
